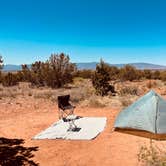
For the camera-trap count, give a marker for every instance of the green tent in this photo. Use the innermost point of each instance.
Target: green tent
(147, 113)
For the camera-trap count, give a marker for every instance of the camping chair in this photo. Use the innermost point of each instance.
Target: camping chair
(63, 106)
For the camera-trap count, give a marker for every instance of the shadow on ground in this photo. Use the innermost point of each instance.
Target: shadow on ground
(12, 152)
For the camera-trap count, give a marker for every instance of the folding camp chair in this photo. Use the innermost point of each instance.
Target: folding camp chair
(63, 106)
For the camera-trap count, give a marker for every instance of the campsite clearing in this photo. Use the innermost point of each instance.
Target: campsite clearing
(109, 148)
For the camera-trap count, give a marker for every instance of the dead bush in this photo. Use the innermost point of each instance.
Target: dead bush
(9, 93)
(152, 155)
(151, 84)
(125, 102)
(132, 90)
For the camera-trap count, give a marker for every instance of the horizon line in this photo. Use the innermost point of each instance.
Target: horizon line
(97, 62)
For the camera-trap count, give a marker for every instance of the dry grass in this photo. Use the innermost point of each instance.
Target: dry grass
(125, 102)
(83, 94)
(39, 102)
(79, 91)
(94, 101)
(152, 155)
(154, 84)
(44, 94)
(11, 92)
(129, 90)
(151, 84)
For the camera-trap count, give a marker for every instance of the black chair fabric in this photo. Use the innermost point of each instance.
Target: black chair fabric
(63, 102)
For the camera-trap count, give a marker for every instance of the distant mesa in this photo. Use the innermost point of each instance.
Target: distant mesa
(11, 67)
(141, 66)
(92, 65)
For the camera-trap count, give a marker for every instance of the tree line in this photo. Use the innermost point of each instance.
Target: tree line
(126, 73)
(55, 72)
(104, 74)
(58, 71)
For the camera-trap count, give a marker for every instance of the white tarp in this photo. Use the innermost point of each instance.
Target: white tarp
(89, 128)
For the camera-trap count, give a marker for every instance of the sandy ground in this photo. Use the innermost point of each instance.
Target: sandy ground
(22, 120)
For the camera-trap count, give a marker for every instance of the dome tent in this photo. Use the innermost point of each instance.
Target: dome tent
(147, 113)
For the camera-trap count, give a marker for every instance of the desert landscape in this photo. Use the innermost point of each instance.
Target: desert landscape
(26, 111)
(83, 83)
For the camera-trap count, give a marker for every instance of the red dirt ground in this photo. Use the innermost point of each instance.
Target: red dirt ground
(108, 149)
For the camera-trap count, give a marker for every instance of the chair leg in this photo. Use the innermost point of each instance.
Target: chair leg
(70, 127)
(74, 124)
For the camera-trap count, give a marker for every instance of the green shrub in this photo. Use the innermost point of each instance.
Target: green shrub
(128, 73)
(9, 79)
(101, 78)
(114, 72)
(156, 75)
(147, 74)
(163, 75)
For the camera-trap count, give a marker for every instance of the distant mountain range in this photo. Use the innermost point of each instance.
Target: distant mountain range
(92, 65)
(141, 66)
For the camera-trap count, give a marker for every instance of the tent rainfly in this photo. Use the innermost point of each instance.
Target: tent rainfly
(147, 113)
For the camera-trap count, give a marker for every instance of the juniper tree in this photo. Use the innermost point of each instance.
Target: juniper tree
(114, 73)
(156, 75)
(163, 75)
(101, 78)
(147, 74)
(61, 70)
(128, 72)
(26, 73)
(37, 70)
(10, 79)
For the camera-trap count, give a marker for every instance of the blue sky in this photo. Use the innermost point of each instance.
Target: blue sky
(119, 31)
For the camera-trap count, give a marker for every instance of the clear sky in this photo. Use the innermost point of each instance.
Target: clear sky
(119, 31)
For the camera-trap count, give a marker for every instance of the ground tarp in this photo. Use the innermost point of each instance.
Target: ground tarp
(88, 128)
